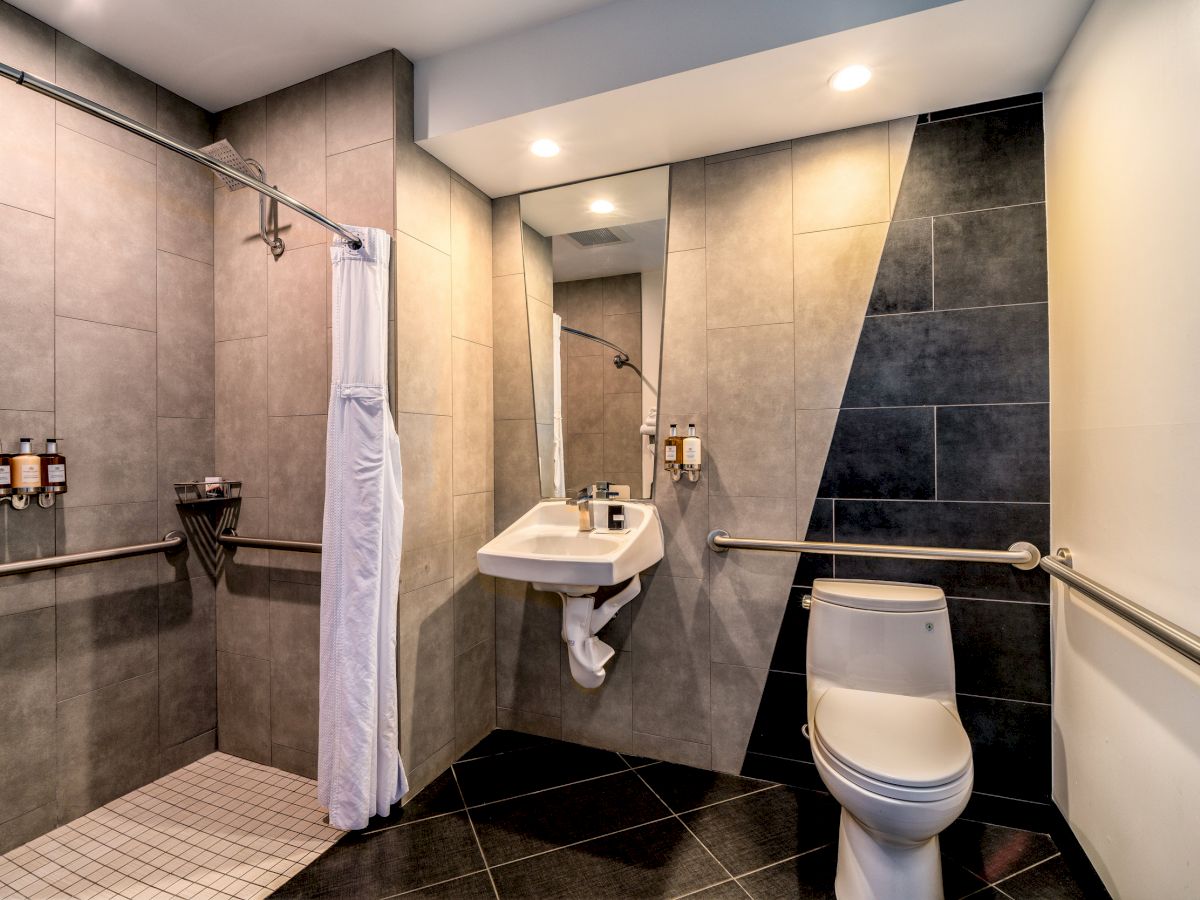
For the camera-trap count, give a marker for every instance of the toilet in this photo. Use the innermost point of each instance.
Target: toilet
(885, 732)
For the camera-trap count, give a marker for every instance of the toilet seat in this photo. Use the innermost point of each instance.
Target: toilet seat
(902, 747)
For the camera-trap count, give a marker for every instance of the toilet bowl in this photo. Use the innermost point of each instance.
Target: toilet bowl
(885, 732)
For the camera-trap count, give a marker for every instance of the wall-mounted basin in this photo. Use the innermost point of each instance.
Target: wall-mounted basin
(546, 548)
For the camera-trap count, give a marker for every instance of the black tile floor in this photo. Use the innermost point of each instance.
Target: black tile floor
(527, 817)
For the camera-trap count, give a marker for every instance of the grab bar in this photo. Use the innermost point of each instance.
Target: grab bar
(172, 541)
(1022, 554)
(230, 538)
(1179, 639)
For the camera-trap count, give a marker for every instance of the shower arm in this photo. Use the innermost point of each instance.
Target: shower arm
(55, 92)
(620, 360)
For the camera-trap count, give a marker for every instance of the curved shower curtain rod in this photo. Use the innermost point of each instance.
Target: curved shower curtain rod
(621, 360)
(54, 91)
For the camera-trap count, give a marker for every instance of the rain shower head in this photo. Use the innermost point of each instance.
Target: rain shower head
(223, 151)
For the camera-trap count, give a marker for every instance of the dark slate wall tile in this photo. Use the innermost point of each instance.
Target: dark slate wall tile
(990, 257)
(881, 453)
(1010, 743)
(792, 644)
(975, 108)
(27, 716)
(994, 453)
(904, 280)
(820, 528)
(991, 355)
(976, 525)
(782, 712)
(1001, 649)
(974, 162)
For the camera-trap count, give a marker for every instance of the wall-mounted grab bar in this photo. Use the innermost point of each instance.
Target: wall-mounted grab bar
(1023, 555)
(1179, 639)
(50, 89)
(230, 538)
(172, 541)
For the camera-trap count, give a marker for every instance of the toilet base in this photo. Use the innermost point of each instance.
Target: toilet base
(869, 868)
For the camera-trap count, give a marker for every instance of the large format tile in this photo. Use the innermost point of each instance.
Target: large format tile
(295, 156)
(187, 659)
(104, 233)
(835, 271)
(296, 506)
(624, 330)
(22, 829)
(736, 693)
(27, 674)
(474, 693)
(622, 439)
(685, 788)
(840, 179)
(991, 355)
(547, 764)
(520, 827)
(539, 267)
(474, 594)
(601, 717)
(751, 444)
(185, 337)
(392, 861)
(904, 282)
(107, 408)
(360, 186)
(423, 359)
(184, 120)
(656, 860)
(295, 658)
(107, 744)
(685, 753)
(241, 426)
(685, 226)
(518, 486)
(994, 452)
(528, 629)
(473, 425)
(81, 69)
(241, 264)
(670, 660)
(107, 612)
(1005, 735)
(756, 830)
(27, 297)
(994, 852)
(185, 207)
(983, 525)
(244, 706)
(360, 104)
(885, 453)
(471, 252)
(506, 236)
(974, 162)
(27, 133)
(1051, 880)
(185, 453)
(781, 712)
(991, 257)
(512, 370)
(297, 355)
(422, 196)
(244, 126)
(426, 445)
(685, 337)
(1001, 649)
(748, 240)
(425, 667)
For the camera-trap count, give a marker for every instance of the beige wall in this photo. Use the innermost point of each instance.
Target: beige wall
(1125, 435)
(343, 142)
(106, 292)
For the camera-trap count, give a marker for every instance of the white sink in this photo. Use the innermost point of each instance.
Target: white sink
(546, 547)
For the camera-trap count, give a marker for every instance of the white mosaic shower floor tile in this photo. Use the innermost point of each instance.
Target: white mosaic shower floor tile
(222, 827)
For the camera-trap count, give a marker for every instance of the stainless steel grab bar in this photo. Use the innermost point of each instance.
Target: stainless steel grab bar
(1164, 630)
(1022, 554)
(230, 538)
(172, 541)
(50, 89)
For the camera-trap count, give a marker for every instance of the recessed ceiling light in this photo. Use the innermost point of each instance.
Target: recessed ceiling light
(544, 147)
(602, 206)
(850, 78)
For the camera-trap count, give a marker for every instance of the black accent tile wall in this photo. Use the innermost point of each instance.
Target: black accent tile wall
(942, 439)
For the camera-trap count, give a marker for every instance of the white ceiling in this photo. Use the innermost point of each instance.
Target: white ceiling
(645, 251)
(218, 53)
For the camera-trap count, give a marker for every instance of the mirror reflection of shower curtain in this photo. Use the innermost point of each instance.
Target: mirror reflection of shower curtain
(560, 474)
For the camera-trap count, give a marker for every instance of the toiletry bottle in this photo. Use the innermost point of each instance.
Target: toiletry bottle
(54, 469)
(26, 469)
(5, 472)
(691, 447)
(673, 448)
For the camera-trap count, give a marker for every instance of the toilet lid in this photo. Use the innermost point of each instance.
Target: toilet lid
(915, 742)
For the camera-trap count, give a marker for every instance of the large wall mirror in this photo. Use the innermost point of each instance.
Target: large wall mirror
(594, 255)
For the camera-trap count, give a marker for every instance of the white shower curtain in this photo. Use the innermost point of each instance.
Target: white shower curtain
(359, 767)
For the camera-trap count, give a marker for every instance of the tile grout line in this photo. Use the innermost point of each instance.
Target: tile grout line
(997, 884)
(688, 829)
(475, 834)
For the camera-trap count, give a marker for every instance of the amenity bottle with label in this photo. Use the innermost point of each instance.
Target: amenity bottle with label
(673, 448)
(691, 447)
(5, 473)
(54, 469)
(26, 469)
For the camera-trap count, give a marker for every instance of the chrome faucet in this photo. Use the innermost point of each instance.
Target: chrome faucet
(583, 500)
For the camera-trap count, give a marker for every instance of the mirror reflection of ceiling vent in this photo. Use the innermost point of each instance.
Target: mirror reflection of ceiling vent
(598, 237)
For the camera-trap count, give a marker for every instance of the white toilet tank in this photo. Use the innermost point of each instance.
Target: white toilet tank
(883, 636)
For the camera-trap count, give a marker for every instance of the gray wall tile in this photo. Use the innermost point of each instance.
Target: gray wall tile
(359, 186)
(295, 663)
(185, 337)
(474, 596)
(298, 762)
(506, 236)
(360, 104)
(27, 297)
(425, 664)
(185, 207)
(601, 717)
(840, 179)
(670, 660)
(295, 155)
(736, 691)
(474, 694)
(685, 230)
(187, 682)
(244, 706)
(243, 590)
(297, 367)
(27, 133)
(185, 453)
(240, 266)
(426, 446)
(471, 255)
(422, 196)
(684, 333)
(473, 426)
(528, 635)
(27, 679)
(241, 425)
(23, 829)
(183, 119)
(296, 503)
(513, 378)
(423, 362)
(171, 759)
(81, 69)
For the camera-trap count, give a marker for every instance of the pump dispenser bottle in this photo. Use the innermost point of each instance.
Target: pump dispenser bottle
(54, 473)
(673, 448)
(692, 455)
(26, 469)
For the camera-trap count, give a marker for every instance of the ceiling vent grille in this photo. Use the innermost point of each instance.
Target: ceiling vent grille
(598, 237)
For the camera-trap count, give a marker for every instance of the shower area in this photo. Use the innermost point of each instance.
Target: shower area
(174, 327)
